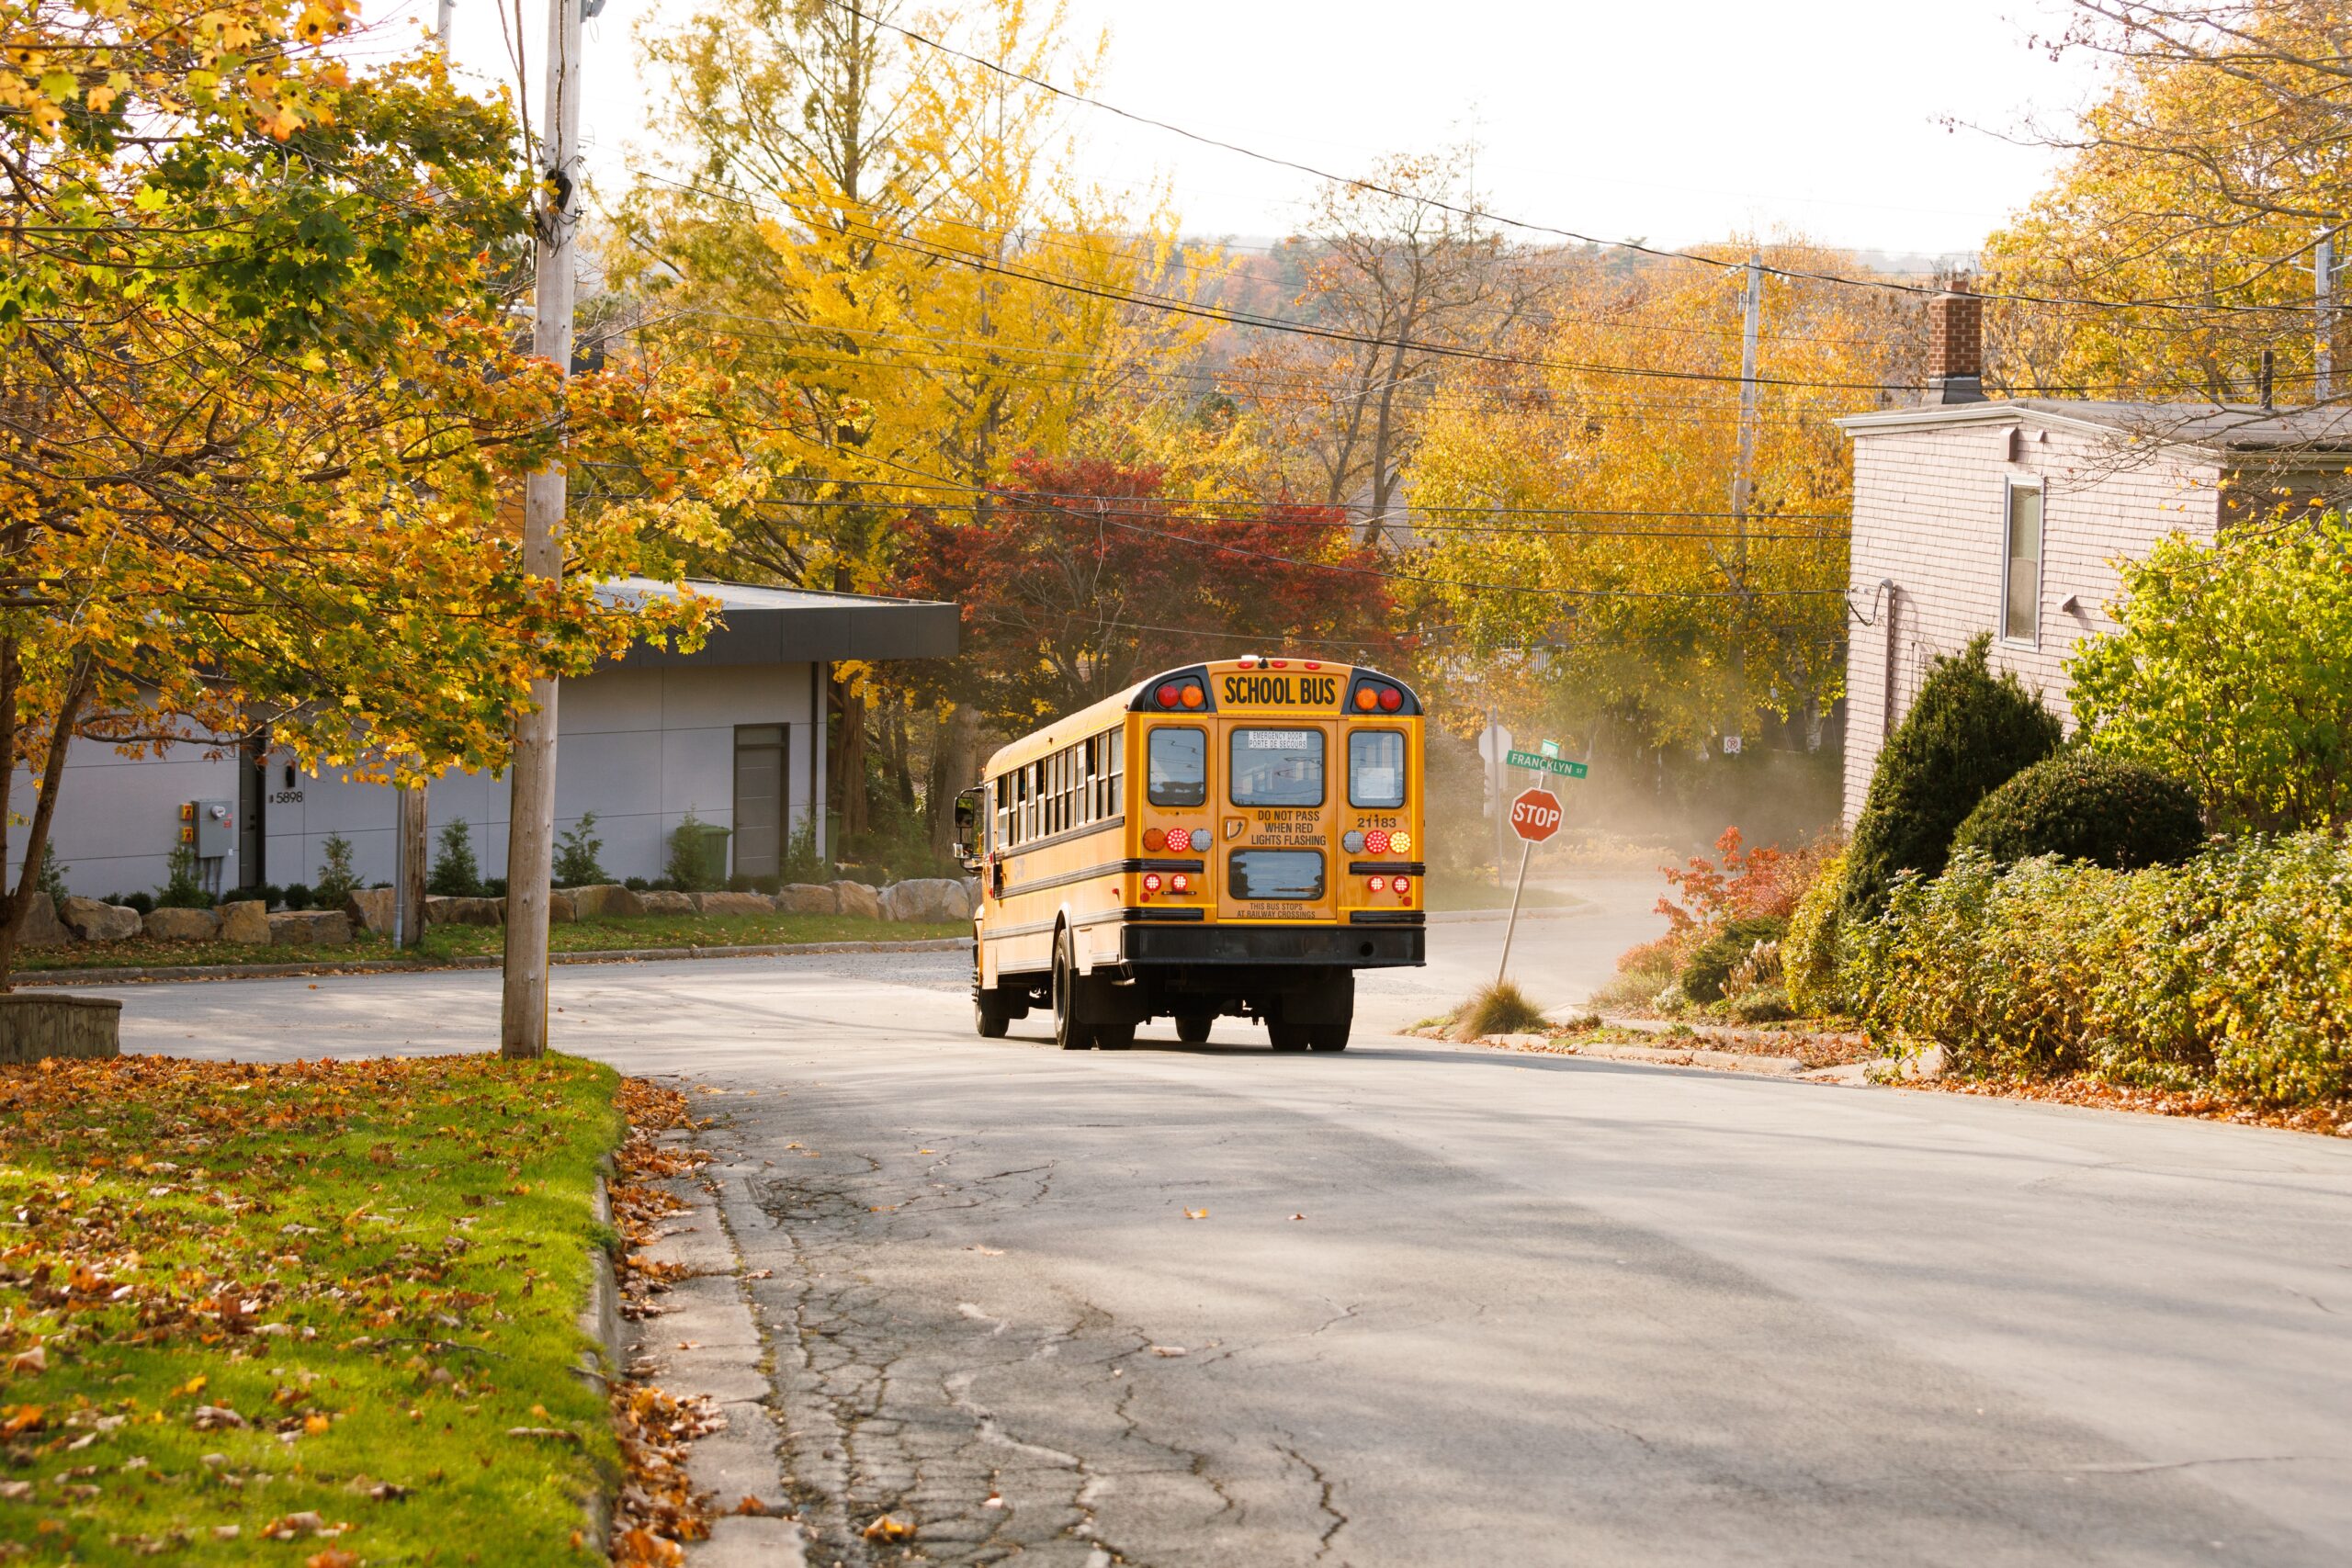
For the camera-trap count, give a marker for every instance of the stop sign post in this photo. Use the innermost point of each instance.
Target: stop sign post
(1534, 817)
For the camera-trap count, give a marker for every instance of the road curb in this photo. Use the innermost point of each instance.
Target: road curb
(1547, 912)
(163, 972)
(601, 1360)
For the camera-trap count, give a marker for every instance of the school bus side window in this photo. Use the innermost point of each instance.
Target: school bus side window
(1177, 767)
(1376, 769)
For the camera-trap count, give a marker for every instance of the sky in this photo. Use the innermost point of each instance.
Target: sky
(1675, 121)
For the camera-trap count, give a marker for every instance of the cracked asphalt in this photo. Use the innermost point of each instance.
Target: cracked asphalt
(1449, 1305)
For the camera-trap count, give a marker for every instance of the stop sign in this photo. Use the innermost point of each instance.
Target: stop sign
(1535, 815)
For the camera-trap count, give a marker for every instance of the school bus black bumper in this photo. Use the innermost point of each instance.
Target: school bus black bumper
(1369, 945)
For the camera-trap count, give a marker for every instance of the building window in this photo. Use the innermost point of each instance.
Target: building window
(2021, 566)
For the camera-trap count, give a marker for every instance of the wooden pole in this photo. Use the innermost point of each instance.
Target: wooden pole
(408, 897)
(530, 818)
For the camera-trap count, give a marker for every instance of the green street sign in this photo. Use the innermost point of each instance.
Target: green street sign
(1536, 762)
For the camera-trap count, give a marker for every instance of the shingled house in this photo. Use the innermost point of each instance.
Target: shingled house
(2008, 516)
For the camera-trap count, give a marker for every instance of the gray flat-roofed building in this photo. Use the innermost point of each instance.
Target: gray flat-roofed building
(732, 732)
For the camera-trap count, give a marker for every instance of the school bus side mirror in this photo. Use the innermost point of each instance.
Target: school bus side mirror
(968, 817)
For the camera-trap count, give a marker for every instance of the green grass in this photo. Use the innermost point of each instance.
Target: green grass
(376, 1266)
(445, 943)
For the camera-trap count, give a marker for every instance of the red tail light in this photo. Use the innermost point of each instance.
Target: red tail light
(1391, 699)
(1169, 694)
(1151, 882)
(1179, 839)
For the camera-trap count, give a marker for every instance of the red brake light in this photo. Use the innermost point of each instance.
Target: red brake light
(1376, 842)
(1391, 699)
(1169, 696)
(1179, 839)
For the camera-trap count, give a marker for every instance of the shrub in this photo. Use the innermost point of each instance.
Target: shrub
(1755, 1004)
(2233, 669)
(1812, 951)
(52, 872)
(272, 896)
(697, 855)
(337, 878)
(575, 855)
(182, 889)
(1709, 966)
(2084, 806)
(455, 873)
(142, 902)
(296, 896)
(1968, 733)
(1500, 1008)
(2225, 974)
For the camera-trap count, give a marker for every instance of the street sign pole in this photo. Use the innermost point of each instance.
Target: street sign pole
(1526, 849)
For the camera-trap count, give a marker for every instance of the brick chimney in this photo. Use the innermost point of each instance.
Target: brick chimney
(1956, 345)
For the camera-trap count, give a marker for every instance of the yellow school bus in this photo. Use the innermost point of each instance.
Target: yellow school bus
(1232, 838)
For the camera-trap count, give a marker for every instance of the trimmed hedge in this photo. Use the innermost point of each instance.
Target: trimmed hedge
(1968, 733)
(2089, 808)
(2227, 974)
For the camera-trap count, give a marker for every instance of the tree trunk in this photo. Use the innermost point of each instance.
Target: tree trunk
(955, 767)
(410, 896)
(849, 761)
(20, 903)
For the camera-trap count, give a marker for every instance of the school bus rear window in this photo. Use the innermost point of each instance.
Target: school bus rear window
(1277, 767)
(1179, 771)
(1376, 769)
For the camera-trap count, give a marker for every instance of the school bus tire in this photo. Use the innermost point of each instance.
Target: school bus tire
(991, 1017)
(1192, 1027)
(1075, 1024)
(1286, 1036)
(1329, 1036)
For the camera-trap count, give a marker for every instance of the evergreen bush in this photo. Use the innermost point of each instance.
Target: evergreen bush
(697, 855)
(2083, 805)
(52, 872)
(338, 879)
(575, 855)
(183, 888)
(1968, 733)
(298, 896)
(455, 873)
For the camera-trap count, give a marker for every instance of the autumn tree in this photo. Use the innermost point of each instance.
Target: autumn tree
(2177, 243)
(894, 228)
(259, 400)
(1082, 577)
(1575, 498)
(1399, 269)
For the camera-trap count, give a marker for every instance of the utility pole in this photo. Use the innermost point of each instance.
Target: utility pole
(1751, 314)
(2323, 318)
(441, 30)
(530, 817)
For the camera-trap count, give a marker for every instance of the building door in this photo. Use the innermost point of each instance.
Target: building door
(759, 799)
(253, 791)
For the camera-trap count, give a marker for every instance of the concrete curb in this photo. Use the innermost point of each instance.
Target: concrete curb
(143, 975)
(1547, 912)
(599, 1323)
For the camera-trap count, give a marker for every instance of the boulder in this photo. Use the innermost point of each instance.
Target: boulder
(656, 902)
(930, 898)
(463, 912)
(183, 925)
(93, 922)
(42, 927)
(857, 899)
(807, 899)
(561, 906)
(735, 903)
(604, 899)
(309, 928)
(246, 920)
(372, 909)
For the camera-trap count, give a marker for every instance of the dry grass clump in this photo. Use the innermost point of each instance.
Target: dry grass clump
(1498, 1010)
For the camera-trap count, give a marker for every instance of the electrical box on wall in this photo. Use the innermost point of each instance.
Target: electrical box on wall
(216, 830)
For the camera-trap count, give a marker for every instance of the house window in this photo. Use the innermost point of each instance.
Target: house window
(2021, 566)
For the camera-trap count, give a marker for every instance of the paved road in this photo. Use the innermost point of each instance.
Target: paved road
(1529, 1310)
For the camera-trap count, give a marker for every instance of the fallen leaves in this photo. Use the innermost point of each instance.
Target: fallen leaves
(1197, 1213)
(888, 1528)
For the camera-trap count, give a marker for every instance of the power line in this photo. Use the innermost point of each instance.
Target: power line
(1529, 226)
